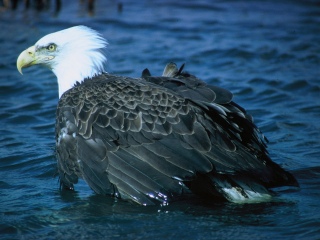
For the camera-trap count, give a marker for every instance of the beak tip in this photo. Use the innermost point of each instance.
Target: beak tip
(26, 59)
(20, 70)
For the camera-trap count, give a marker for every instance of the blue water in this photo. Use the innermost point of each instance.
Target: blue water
(267, 53)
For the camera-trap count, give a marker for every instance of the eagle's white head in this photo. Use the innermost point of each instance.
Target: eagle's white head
(72, 54)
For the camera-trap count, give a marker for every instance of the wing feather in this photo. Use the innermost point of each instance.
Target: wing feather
(142, 139)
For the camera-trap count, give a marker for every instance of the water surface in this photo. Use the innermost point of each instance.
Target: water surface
(266, 53)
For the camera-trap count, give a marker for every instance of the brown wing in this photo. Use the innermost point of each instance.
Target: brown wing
(144, 140)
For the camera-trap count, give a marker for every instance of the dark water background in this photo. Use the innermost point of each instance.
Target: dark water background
(267, 53)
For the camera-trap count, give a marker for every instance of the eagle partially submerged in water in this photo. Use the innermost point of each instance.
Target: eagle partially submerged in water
(150, 139)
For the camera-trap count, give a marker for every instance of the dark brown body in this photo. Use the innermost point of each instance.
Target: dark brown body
(155, 139)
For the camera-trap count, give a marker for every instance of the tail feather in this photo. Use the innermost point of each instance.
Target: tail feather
(237, 189)
(231, 187)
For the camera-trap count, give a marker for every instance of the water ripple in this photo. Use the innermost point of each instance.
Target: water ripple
(266, 54)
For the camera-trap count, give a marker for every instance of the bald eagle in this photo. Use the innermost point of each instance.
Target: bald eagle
(150, 139)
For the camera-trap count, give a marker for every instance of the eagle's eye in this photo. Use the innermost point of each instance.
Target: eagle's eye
(51, 47)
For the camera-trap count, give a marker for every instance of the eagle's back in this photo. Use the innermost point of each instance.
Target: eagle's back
(159, 138)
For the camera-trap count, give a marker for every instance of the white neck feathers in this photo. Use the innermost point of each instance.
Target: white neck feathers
(79, 54)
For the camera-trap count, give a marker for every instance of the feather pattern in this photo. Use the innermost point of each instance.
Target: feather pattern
(156, 139)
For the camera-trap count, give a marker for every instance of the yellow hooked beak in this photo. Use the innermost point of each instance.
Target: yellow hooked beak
(26, 58)
(30, 57)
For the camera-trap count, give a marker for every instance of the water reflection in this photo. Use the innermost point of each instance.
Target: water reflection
(36, 4)
(43, 5)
